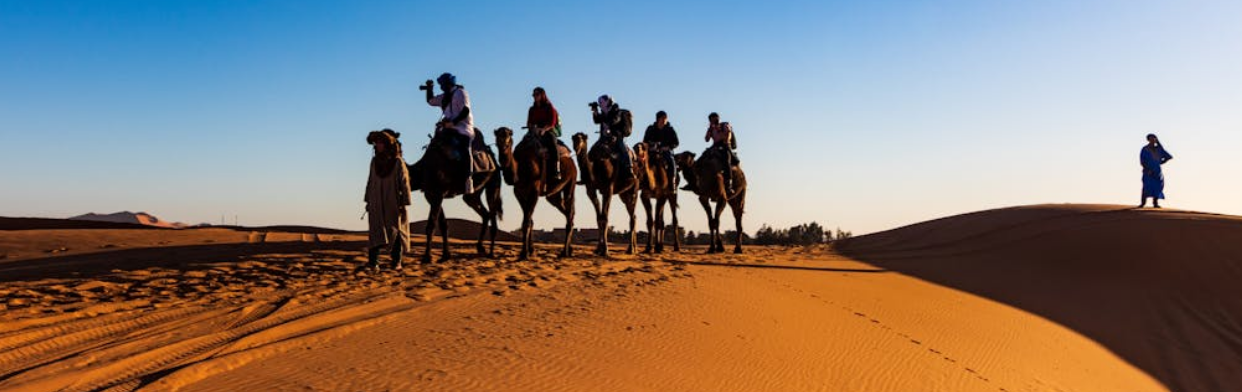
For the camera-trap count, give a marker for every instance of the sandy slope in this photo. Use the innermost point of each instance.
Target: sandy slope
(799, 322)
(1008, 300)
(1157, 287)
(161, 313)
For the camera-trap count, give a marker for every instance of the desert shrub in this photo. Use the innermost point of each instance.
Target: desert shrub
(803, 234)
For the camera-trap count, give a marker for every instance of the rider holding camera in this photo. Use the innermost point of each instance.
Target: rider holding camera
(723, 143)
(613, 123)
(457, 118)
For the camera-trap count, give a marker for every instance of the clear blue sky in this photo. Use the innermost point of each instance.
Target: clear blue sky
(862, 115)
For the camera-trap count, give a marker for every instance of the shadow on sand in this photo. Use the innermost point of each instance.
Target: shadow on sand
(183, 258)
(778, 266)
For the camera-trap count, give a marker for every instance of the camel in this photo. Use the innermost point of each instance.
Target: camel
(601, 179)
(708, 175)
(657, 184)
(438, 176)
(522, 167)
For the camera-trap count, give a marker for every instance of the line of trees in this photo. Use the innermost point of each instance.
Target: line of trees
(803, 234)
(693, 238)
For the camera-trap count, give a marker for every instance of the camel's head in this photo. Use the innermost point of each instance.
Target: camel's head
(504, 138)
(685, 159)
(580, 141)
(640, 150)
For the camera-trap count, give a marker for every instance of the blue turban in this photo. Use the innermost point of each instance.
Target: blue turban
(447, 79)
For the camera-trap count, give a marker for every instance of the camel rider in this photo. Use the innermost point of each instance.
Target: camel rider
(662, 139)
(458, 120)
(544, 122)
(608, 115)
(723, 143)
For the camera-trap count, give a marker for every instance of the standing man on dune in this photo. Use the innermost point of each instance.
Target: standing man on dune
(1151, 157)
(457, 118)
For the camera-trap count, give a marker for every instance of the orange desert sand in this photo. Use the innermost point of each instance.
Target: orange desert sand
(1039, 298)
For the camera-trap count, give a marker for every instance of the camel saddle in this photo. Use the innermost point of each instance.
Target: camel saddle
(563, 151)
(484, 161)
(608, 145)
(718, 154)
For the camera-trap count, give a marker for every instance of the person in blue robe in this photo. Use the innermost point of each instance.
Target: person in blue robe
(1151, 157)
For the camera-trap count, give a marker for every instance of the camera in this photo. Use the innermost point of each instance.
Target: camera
(593, 105)
(426, 86)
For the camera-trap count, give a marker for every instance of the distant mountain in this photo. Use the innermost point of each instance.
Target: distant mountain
(7, 224)
(140, 218)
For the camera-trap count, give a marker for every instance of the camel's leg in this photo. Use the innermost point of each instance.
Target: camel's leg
(601, 220)
(660, 228)
(444, 229)
(564, 202)
(432, 216)
(568, 249)
(528, 234)
(650, 224)
(524, 253)
(493, 206)
(672, 208)
(737, 218)
(711, 228)
(720, 207)
(593, 195)
(476, 203)
(631, 205)
(528, 202)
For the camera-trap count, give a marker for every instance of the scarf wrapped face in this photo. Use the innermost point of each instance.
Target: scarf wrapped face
(383, 164)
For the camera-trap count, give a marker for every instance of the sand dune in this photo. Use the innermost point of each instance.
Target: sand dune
(140, 218)
(1042, 298)
(1157, 287)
